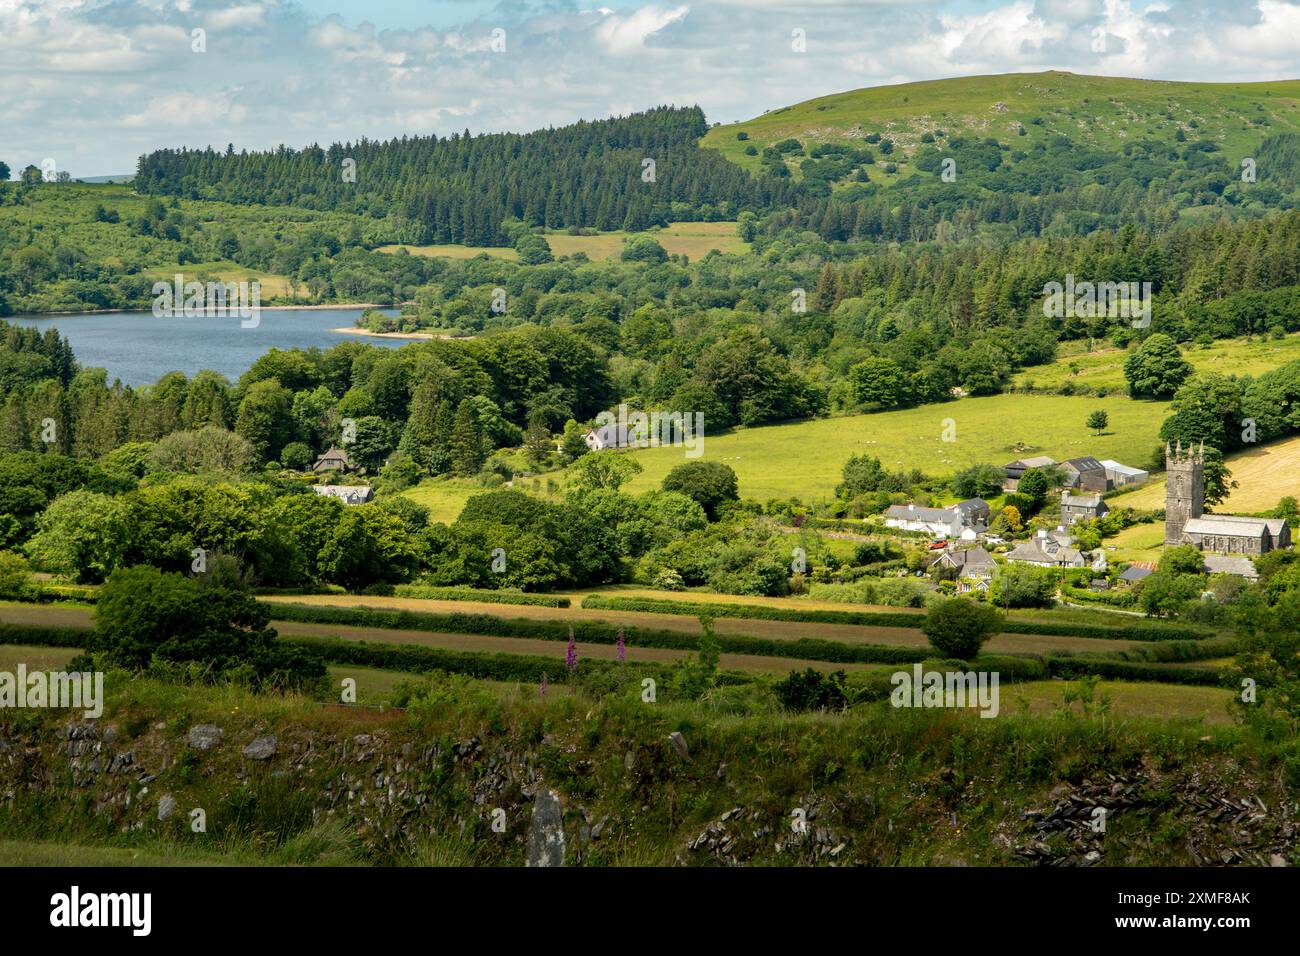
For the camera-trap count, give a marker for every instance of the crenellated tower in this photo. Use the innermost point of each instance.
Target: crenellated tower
(1184, 488)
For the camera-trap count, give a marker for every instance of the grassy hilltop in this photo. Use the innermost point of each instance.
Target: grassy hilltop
(1093, 111)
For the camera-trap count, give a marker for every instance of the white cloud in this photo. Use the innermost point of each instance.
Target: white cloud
(622, 34)
(121, 76)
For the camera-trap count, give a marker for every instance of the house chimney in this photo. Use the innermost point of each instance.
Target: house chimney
(911, 506)
(1042, 533)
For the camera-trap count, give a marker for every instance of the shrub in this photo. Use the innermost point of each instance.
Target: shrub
(145, 615)
(958, 627)
(812, 690)
(668, 580)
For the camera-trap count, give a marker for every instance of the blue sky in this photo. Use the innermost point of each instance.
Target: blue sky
(92, 84)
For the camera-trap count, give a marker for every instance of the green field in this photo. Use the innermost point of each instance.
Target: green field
(804, 459)
(1142, 542)
(1103, 368)
(444, 497)
(693, 239)
(1090, 110)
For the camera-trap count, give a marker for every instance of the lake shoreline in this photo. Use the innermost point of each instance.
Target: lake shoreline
(415, 336)
(266, 308)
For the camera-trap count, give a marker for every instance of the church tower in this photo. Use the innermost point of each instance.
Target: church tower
(1184, 489)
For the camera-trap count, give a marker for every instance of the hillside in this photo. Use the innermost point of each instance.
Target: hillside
(1097, 111)
(1102, 370)
(626, 172)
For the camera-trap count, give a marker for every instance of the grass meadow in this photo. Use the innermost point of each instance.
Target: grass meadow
(693, 239)
(805, 459)
(1103, 368)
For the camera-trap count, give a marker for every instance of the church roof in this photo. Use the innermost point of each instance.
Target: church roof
(1232, 526)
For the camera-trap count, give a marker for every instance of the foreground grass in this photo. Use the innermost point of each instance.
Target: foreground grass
(805, 459)
(1209, 705)
(895, 786)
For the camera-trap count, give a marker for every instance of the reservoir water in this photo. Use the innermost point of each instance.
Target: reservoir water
(139, 349)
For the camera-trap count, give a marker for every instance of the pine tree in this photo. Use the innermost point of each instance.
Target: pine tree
(467, 447)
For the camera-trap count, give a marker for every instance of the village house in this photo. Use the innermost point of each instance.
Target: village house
(1074, 507)
(348, 494)
(966, 563)
(336, 459)
(612, 435)
(966, 520)
(1048, 550)
(1013, 470)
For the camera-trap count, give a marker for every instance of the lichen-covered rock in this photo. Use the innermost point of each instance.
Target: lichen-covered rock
(166, 806)
(546, 831)
(204, 736)
(262, 748)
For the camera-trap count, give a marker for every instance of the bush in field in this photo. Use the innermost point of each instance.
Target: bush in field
(668, 580)
(708, 483)
(812, 690)
(15, 579)
(144, 616)
(958, 628)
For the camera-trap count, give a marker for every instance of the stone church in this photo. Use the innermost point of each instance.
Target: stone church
(1187, 523)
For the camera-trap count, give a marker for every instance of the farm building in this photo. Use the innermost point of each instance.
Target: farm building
(612, 435)
(1086, 474)
(1013, 470)
(1121, 475)
(1136, 572)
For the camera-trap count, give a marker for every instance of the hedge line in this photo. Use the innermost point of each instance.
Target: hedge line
(1075, 667)
(43, 636)
(49, 593)
(1134, 632)
(480, 664)
(598, 632)
(755, 612)
(311, 589)
(479, 594)
(1121, 599)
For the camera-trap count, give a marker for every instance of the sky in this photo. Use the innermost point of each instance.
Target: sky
(93, 84)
